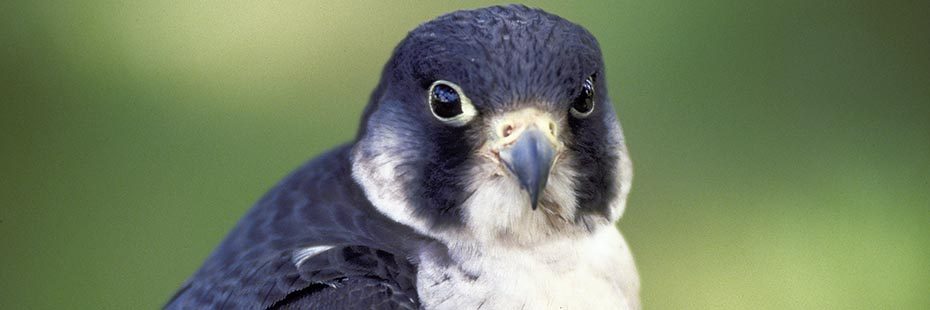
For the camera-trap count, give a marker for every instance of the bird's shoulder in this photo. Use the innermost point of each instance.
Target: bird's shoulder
(339, 277)
(314, 234)
(353, 277)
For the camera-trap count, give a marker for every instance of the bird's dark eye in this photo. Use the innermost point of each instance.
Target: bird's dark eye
(445, 101)
(449, 104)
(584, 103)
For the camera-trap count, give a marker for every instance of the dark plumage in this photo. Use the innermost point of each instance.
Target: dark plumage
(253, 268)
(506, 59)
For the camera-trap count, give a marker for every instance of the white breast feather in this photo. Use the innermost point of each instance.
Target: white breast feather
(596, 272)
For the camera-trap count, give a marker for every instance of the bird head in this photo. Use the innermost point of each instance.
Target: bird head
(495, 123)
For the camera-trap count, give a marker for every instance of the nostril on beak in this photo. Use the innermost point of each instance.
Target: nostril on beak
(508, 130)
(552, 128)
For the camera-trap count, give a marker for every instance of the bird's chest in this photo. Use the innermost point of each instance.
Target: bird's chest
(564, 276)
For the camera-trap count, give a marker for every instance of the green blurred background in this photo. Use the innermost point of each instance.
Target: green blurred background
(782, 148)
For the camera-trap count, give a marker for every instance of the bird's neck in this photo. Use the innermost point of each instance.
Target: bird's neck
(551, 273)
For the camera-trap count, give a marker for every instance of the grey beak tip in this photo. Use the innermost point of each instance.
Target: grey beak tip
(530, 159)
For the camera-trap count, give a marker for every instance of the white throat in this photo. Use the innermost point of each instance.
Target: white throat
(583, 272)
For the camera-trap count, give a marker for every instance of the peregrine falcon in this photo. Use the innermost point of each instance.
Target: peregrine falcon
(488, 172)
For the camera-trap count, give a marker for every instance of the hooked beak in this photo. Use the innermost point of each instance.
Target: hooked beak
(530, 159)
